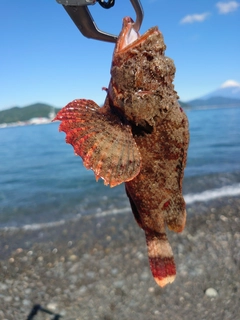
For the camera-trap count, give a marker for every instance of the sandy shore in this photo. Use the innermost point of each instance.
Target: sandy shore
(97, 268)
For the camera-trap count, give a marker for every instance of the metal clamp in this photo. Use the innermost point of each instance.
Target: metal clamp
(81, 16)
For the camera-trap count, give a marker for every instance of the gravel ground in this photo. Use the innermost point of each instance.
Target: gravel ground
(97, 268)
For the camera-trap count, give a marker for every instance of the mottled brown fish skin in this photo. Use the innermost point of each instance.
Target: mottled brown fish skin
(142, 90)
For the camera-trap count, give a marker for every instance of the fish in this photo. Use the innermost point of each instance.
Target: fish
(139, 137)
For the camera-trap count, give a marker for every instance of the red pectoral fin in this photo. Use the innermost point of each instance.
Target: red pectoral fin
(104, 143)
(160, 258)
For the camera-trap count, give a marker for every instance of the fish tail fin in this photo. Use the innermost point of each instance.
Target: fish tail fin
(160, 258)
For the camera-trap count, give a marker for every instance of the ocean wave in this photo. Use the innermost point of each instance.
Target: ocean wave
(226, 191)
(38, 226)
(35, 226)
(233, 190)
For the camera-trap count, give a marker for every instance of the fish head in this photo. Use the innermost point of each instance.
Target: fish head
(139, 69)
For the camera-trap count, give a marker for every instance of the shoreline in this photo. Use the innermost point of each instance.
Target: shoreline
(97, 268)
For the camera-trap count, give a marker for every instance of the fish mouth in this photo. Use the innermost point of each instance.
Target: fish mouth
(128, 35)
(130, 38)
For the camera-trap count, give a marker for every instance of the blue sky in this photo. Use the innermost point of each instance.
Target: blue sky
(44, 58)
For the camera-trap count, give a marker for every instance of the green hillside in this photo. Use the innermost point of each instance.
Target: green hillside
(16, 114)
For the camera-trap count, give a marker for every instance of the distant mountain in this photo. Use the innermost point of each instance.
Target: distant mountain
(16, 114)
(229, 89)
(227, 95)
(214, 101)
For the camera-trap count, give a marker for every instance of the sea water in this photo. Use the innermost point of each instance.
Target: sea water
(42, 182)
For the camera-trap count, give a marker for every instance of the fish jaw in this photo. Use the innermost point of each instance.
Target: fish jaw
(129, 38)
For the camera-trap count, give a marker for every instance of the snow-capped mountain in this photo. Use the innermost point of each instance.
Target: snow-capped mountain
(229, 89)
(227, 95)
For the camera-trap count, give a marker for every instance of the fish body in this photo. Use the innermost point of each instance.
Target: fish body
(140, 137)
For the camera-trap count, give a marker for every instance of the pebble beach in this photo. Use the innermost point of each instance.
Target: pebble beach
(96, 267)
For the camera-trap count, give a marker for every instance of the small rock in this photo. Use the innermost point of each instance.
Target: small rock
(82, 290)
(114, 271)
(223, 218)
(8, 299)
(211, 292)
(3, 286)
(144, 276)
(26, 302)
(58, 290)
(75, 267)
(118, 284)
(151, 289)
(52, 306)
(73, 257)
(140, 255)
(28, 291)
(24, 259)
(90, 274)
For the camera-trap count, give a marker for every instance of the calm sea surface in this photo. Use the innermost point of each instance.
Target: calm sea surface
(41, 180)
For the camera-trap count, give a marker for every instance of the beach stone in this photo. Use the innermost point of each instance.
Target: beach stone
(28, 291)
(40, 258)
(52, 306)
(3, 286)
(19, 250)
(144, 276)
(90, 274)
(118, 284)
(211, 292)
(114, 271)
(75, 267)
(24, 259)
(151, 289)
(26, 302)
(140, 255)
(82, 290)
(73, 257)
(8, 299)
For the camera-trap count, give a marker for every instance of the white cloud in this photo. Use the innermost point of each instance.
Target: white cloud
(226, 7)
(195, 18)
(230, 83)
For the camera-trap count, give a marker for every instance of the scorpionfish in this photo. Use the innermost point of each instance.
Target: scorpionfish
(140, 136)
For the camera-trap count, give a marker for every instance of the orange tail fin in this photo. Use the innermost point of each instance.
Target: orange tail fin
(160, 258)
